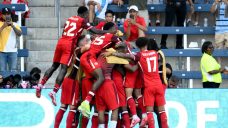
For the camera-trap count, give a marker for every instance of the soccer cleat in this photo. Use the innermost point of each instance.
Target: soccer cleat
(84, 108)
(53, 98)
(143, 122)
(38, 90)
(135, 121)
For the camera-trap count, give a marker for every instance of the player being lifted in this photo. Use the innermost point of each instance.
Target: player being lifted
(90, 65)
(64, 49)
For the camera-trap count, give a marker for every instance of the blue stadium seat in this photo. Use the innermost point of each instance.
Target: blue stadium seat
(179, 30)
(192, 75)
(15, 7)
(160, 8)
(23, 53)
(24, 30)
(191, 52)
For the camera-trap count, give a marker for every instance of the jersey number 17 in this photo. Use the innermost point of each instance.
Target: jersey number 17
(149, 61)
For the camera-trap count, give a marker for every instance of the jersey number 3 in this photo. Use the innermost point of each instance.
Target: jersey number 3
(69, 28)
(153, 61)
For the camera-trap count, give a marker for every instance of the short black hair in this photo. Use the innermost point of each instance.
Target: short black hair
(141, 42)
(82, 10)
(152, 45)
(108, 25)
(205, 46)
(109, 11)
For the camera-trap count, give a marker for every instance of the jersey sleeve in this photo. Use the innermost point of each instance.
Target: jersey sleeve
(99, 26)
(86, 25)
(137, 56)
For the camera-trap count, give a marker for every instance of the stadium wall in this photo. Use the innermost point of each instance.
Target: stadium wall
(187, 108)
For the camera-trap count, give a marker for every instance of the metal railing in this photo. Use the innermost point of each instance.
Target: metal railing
(58, 16)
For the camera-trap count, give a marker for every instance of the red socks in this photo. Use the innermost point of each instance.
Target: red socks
(106, 119)
(131, 105)
(90, 96)
(163, 118)
(58, 117)
(56, 88)
(140, 104)
(70, 118)
(84, 122)
(125, 119)
(150, 120)
(95, 121)
(44, 80)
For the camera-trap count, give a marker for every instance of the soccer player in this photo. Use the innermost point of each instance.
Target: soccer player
(153, 91)
(106, 96)
(90, 65)
(64, 49)
(70, 86)
(118, 77)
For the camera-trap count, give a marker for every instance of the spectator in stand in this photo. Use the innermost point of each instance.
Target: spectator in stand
(173, 82)
(142, 8)
(134, 26)
(97, 9)
(176, 8)
(211, 72)
(157, 22)
(220, 8)
(9, 31)
(25, 14)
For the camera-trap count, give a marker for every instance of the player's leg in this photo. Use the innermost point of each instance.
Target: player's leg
(84, 107)
(150, 116)
(114, 118)
(71, 116)
(160, 101)
(139, 96)
(125, 117)
(46, 76)
(58, 82)
(132, 106)
(101, 119)
(59, 115)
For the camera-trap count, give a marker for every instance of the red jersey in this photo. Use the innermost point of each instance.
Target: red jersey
(101, 25)
(106, 68)
(103, 42)
(148, 61)
(134, 29)
(74, 27)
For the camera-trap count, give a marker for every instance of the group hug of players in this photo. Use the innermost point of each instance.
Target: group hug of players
(107, 75)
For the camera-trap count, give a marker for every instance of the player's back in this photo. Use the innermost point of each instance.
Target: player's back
(102, 42)
(149, 64)
(106, 68)
(73, 28)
